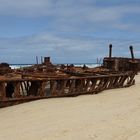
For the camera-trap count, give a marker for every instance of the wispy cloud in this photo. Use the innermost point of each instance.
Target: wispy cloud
(61, 49)
(74, 15)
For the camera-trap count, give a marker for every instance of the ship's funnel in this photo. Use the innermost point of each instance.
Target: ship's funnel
(132, 53)
(110, 50)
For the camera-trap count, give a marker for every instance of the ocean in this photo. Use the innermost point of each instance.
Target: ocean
(90, 65)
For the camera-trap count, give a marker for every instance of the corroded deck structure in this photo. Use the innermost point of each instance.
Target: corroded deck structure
(47, 80)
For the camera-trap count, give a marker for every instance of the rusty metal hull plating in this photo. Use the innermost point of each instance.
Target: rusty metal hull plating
(27, 89)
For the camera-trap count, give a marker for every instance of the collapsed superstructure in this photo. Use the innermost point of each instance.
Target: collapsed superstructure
(47, 80)
(121, 63)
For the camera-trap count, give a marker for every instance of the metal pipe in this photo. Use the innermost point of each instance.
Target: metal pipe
(132, 53)
(41, 60)
(36, 60)
(110, 50)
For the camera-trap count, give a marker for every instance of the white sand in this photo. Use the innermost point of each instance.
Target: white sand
(110, 115)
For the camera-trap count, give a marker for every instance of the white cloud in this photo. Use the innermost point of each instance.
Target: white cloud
(69, 14)
(62, 49)
(64, 8)
(27, 8)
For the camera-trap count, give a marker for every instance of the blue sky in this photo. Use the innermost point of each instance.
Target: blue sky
(69, 31)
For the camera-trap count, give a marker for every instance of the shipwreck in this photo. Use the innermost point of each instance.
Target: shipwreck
(47, 80)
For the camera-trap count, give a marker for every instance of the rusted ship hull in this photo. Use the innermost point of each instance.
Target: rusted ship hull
(25, 90)
(49, 81)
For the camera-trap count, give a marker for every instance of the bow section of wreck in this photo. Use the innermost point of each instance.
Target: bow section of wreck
(47, 80)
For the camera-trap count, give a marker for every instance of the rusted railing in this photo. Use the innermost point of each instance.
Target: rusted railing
(23, 90)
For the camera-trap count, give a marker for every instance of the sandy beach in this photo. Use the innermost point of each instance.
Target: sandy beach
(109, 115)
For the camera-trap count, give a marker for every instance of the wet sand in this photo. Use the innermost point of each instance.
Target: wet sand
(109, 115)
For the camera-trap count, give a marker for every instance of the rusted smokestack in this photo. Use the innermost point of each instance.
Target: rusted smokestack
(110, 50)
(132, 53)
